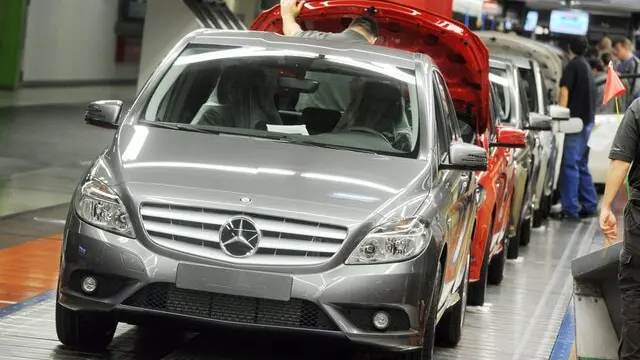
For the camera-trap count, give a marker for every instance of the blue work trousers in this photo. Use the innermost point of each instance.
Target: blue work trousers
(577, 191)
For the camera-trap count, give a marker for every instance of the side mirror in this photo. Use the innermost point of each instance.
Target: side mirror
(103, 113)
(467, 157)
(508, 137)
(573, 126)
(559, 113)
(539, 122)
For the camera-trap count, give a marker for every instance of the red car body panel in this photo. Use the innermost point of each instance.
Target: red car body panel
(458, 52)
(498, 182)
(464, 62)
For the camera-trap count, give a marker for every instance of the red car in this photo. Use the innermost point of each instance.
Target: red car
(334, 16)
(488, 253)
(464, 61)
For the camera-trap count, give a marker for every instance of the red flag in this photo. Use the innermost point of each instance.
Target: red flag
(613, 87)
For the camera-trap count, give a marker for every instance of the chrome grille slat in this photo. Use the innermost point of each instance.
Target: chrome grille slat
(257, 259)
(265, 224)
(190, 232)
(283, 242)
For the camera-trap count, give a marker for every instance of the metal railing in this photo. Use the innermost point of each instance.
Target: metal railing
(215, 14)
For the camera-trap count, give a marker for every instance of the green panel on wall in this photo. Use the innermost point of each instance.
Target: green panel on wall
(11, 27)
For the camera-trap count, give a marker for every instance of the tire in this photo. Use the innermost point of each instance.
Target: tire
(449, 330)
(525, 232)
(478, 289)
(513, 248)
(497, 266)
(84, 330)
(538, 217)
(547, 205)
(429, 336)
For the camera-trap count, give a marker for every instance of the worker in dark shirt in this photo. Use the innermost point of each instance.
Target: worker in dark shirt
(334, 92)
(578, 93)
(625, 155)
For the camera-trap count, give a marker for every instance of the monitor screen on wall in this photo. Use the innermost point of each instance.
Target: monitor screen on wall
(569, 22)
(531, 21)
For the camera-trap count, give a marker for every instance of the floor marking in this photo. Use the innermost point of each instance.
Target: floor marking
(547, 291)
(563, 345)
(50, 221)
(560, 308)
(12, 309)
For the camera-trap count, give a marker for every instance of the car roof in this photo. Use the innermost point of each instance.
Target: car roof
(518, 61)
(357, 51)
(497, 62)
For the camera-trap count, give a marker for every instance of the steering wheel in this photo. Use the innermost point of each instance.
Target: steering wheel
(367, 130)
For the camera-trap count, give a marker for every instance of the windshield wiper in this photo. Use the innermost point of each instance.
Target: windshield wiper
(271, 136)
(185, 127)
(298, 141)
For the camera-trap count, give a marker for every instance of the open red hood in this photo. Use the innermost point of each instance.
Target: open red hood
(459, 53)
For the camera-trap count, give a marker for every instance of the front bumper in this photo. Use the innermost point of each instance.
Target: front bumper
(136, 283)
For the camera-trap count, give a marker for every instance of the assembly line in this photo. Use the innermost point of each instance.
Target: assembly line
(345, 179)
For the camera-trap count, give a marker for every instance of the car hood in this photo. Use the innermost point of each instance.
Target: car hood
(457, 51)
(507, 44)
(198, 168)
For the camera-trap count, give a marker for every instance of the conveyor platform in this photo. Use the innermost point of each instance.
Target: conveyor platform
(520, 320)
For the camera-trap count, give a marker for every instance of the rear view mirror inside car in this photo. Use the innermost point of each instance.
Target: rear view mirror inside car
(301, 85)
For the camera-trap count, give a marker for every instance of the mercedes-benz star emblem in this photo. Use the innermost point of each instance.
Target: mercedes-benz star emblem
(239, 237)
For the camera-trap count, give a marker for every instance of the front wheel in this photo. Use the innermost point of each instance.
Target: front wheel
(525, 232)
(497, 265)
(84, 330)
(449, 330)
(478, 289)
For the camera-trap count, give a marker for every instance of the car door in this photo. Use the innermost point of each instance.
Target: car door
(457, 184)
(501, 161)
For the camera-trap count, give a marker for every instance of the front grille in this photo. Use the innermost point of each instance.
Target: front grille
(294, 313)
(284, 241)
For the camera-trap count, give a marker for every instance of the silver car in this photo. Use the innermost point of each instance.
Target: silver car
(221, 202)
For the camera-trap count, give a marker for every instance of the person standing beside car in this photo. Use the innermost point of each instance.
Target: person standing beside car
(600, 79)
(624, 155)
(334, 92)
(628, 64)
(578, 93)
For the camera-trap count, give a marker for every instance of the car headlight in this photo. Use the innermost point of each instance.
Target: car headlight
(395, 241)
(100, 206)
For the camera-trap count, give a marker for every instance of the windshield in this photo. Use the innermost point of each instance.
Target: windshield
(500, 83)
(291, 96)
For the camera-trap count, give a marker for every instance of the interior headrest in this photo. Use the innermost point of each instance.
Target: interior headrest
(236, 78)
(381, 91)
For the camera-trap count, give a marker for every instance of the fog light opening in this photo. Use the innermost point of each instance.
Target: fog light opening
(89, 284)
(381, 320)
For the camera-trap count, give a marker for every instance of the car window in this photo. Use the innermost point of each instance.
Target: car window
(444, 132)
(453, 128)
(500, 85)
(546, 97)
(293, 96)
(530, 88)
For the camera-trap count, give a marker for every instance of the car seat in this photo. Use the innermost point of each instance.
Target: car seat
(378, 106)
(320, 121)
(243, 98)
